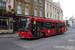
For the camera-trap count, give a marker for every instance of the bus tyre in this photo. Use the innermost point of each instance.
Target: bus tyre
(43, 35)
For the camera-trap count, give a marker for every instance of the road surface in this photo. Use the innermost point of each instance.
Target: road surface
(65, 41)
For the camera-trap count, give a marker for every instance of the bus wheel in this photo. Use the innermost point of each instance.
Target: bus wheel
(60, 32)
(43, 35)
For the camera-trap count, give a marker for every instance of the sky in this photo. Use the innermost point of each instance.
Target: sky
(68, 7)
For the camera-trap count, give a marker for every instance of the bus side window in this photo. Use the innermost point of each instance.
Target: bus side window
(43, 25)
(53, 25)
(60, 25)
(49, 25)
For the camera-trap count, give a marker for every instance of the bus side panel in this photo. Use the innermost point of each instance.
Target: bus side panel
(53, 32)
(49, 32)
(63, 29)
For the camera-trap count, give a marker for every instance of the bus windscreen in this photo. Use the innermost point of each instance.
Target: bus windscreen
(24, 24)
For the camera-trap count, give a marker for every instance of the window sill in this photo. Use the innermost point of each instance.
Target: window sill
(40, 16)
(26, 14)
(35, 16)
(19, 13)
(40, 5)
(26, 1)
(35, 4)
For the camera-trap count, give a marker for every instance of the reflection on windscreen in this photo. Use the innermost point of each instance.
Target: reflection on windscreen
(24, 24)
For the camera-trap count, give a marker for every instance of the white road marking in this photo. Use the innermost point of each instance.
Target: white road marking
(64, 47)
(71, 40)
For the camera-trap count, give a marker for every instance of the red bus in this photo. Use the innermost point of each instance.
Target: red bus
(35, 27)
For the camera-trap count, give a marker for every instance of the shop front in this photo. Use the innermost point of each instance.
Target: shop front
(6, 25)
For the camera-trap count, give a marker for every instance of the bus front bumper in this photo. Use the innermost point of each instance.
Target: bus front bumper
(25, 35)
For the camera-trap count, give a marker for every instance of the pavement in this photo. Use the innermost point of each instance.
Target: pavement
(9, 35)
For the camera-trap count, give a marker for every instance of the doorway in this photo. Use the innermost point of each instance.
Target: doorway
(57, 29)
(35, 28)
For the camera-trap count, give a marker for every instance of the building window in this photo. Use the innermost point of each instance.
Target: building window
(26, 10)
(47, 14)
(35, 12)
(40, 2)
(58, 12)
(2, 4)
(55, 16)
(47, 6)
(19, 9)
(50, 7)
(35, 1)
(55, 10)
(9, 9)
(4, 24)
(26, 0)
(50, 15)
(40, 13)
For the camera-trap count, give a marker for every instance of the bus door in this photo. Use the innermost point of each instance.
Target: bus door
(36, 29)
(57, 28)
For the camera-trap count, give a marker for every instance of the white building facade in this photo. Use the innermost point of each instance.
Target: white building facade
(53, 10)
(71, 22)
